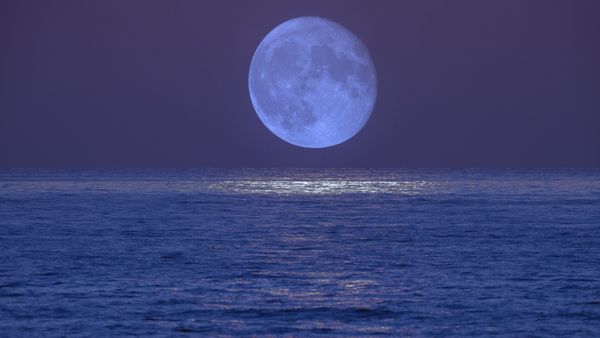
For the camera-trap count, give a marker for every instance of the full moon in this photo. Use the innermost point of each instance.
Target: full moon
(312, 82)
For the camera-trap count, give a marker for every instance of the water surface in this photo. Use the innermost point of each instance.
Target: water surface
(300, 252)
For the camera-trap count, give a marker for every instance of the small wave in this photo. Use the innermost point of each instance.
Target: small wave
(317, 312)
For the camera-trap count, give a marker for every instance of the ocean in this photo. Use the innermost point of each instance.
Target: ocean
(300, 252)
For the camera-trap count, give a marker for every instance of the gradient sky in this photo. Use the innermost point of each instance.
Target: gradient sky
(511, 83)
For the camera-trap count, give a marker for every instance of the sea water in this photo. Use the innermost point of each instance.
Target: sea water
(300, 252)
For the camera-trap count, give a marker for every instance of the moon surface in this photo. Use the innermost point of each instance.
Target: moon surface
(312, 82)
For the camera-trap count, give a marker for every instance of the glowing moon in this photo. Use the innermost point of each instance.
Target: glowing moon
(312, 82)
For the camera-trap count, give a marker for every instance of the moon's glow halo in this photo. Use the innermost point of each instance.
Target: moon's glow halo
(312, 82)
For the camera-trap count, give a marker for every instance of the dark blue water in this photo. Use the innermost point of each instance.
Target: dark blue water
(300, 252)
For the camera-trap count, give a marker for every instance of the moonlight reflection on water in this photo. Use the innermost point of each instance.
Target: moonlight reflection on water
(322, 187)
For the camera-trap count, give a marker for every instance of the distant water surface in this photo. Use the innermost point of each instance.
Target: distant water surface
(300, 252)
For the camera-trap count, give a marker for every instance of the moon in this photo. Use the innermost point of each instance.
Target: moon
(312, 82)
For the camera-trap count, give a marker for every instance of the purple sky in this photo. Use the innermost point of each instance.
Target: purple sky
(164, 83)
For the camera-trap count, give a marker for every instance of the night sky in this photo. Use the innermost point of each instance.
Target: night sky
(164, 84)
